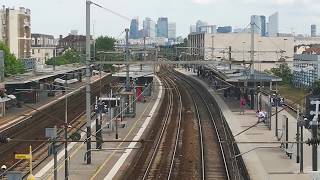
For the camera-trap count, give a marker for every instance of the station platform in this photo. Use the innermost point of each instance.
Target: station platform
(107, 164)
(264, 161)
(14, 114)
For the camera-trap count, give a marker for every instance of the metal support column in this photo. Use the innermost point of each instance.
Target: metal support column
(88, 75)
(127, 59)
(298, 135)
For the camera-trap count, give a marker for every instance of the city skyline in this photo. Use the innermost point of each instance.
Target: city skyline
(295, 16)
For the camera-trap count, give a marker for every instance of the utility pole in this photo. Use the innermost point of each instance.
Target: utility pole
(88, 75)
(127, 59)
(252, 48)
(314, 129)
(212, 50)
(144, 52)
(66, 172)
(230, 57)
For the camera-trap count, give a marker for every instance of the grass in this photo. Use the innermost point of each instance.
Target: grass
(292, 93)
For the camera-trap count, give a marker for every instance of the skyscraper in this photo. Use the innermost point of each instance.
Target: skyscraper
(162, 27)
(263, 25)
(313, 30)
(172, 31)
(256, 20)
(199, 24)
(273, 25)
(149, 28)
(193, 29)
(134, 29)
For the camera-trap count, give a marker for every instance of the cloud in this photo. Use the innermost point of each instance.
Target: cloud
(202, 1)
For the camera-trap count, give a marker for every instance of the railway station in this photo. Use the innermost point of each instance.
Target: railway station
(147, 104)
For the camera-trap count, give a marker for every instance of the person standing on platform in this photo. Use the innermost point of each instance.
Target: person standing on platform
(242, 105)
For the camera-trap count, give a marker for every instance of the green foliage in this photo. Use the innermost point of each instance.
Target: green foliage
(70, 56)
(105, 43)
(316, 87)
(284, 72)
(12, 65)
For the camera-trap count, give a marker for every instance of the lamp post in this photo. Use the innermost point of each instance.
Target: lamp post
(243, 43)
(88, 75)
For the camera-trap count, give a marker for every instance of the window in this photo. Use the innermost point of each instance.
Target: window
(38, 50)
(32, 51)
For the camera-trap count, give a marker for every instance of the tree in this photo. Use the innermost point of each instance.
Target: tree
(12, 65)
(105, 43)
(70, 56)
(316, 87)
(284, 72)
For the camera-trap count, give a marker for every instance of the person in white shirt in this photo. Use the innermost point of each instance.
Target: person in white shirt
(261, 116)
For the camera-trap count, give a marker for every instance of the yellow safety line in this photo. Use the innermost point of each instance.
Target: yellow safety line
(110, 156)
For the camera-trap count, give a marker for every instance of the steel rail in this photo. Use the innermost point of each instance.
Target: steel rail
(163, 128)
(213, 122)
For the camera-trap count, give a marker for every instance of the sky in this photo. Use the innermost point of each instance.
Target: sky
(60, 16)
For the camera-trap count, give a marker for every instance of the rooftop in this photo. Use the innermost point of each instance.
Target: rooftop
(41, 74)
(239, 73)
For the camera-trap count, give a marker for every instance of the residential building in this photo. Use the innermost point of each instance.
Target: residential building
(172, 31)
(76, 42)
(149, 28)
(313, 30)
(273, 25)
(42, 47)
(306, 68)
(15, 29)
(224, 29)
(134, 29)
(162, 27)
(240, 44)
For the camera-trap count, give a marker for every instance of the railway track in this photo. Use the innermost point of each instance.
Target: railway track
(34, 128)
(192, 141)
(162, 168)
(216, 139)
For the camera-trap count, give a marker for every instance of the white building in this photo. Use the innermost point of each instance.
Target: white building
(216, 46)
(43, 47)
(193, 29)
(306, 69)
(16, 30)
(149, 28)
(172, 31)
(273, 25)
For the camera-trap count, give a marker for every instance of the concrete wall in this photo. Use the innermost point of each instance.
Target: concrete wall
(241, 44)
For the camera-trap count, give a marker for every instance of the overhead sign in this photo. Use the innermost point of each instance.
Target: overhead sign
(22, 156)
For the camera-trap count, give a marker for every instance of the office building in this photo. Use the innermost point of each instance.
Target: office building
(134, 29)
(306, 68)
(162, 27)
(263, 26)
(193, 29)
(273, 25)
(172, 31)
(256, 20)
(240, 44)
(224, 29)
(15, 29)
(149, 28)
(200, 24)
(313, 30)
